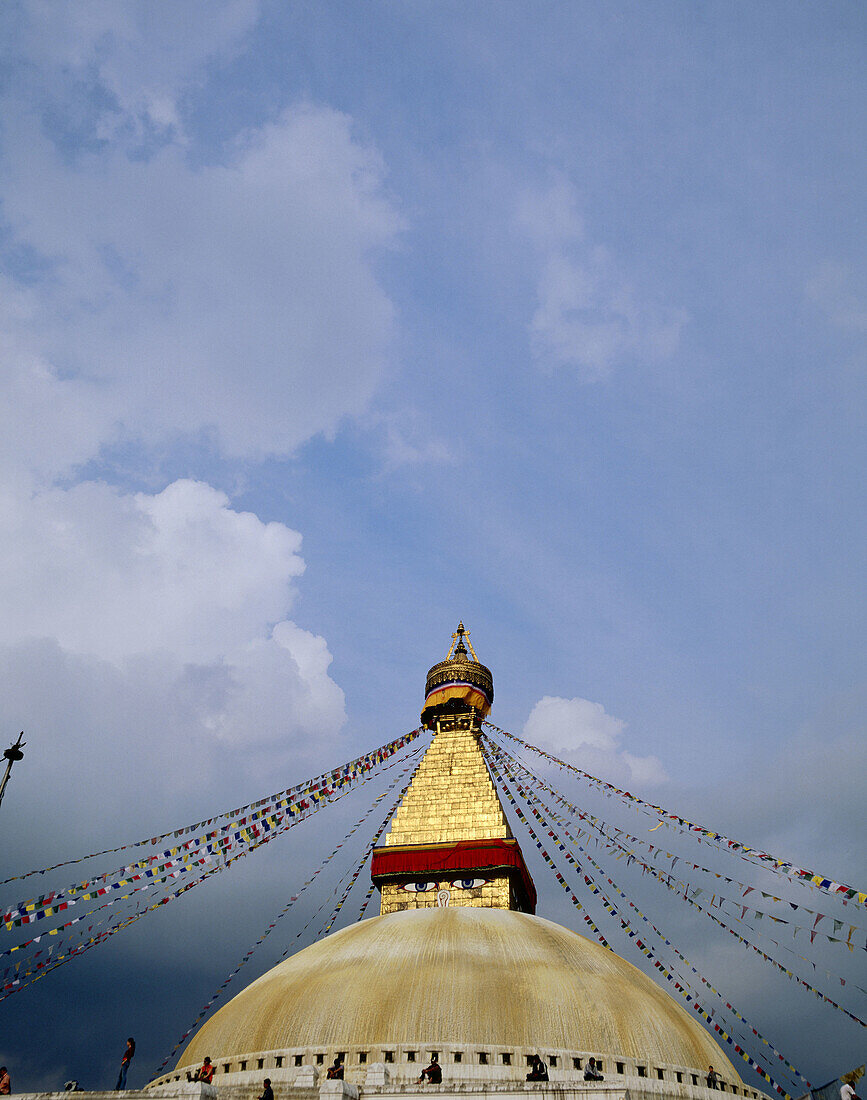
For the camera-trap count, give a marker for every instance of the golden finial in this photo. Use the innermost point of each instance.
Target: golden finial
(458, 650)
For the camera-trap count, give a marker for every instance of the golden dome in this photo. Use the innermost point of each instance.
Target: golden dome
(460, 978)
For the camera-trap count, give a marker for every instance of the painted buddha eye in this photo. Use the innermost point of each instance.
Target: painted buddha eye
(420, 887)
(468, 883)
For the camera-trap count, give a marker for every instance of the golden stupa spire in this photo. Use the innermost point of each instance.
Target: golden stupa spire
(450, 842)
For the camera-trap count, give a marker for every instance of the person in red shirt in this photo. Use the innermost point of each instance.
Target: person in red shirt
(124, 1064)
(433, 1074)
(205, 1072)
(5, 1083)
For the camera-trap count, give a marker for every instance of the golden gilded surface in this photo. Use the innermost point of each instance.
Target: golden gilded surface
(470, 672)
(495, 894)
(439, 978)
(451, 796)
(458, 667)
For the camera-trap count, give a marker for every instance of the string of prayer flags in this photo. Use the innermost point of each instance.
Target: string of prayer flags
(17, 985)
(310, 920)
(154, 880)
(752, 855)
(768, 958)
(742, 939)
(657, 853)
(123, 922)
(366, 901)
(311, 787)
(691, 893)
(534, 778)
(615, 836)
(155, 877)
(366, 856)
(89, 914)
(249, 954)
(295, 804)
(645, 950)
(547, 858)
(608, 905)
(512, 765)
(642, 947)
(668, 882)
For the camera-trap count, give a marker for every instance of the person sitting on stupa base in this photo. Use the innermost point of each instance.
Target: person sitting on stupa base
(335, 1070)
(538, 1069)
(205, 1073)
(712, 1078)
(591, 1071)
(433, 1074)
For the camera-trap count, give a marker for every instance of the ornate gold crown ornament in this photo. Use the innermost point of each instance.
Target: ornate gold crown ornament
(460, 682)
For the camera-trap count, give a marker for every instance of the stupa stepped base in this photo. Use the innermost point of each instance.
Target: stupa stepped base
(378, 1084)
(466, 1065)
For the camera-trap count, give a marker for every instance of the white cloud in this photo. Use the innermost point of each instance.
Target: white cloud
(588, 316)
(148, 295)
(119, 750)
(285, 697)
(141, 56)
(239, 298)
(146, 635)
(583, 733)
(115, 575)
(47, 423)
(409, 439)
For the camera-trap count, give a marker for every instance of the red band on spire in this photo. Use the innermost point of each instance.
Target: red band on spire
(423, 861)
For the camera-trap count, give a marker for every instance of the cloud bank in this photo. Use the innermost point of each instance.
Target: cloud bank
(147, 636)
(153, 297)
(584, 734)
(165, 299)
(588, 316)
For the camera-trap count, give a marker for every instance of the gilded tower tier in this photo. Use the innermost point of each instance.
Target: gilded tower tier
(450, 842)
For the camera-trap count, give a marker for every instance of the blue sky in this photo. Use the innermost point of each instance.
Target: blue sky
(323, 326)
